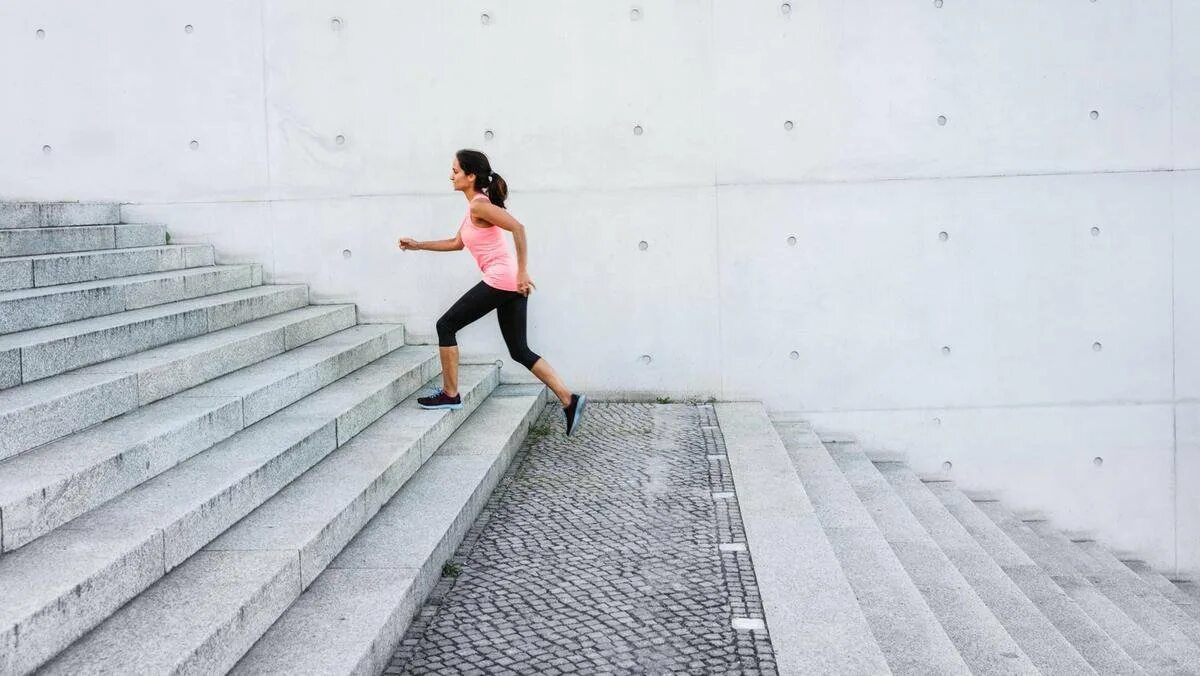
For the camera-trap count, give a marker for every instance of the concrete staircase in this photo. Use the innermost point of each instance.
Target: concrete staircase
(866, 568)
(198, 469)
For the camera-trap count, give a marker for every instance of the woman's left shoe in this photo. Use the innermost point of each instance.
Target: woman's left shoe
(574, 412)
(440, 400)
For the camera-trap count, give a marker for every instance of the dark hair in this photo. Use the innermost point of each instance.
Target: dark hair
(486, 180)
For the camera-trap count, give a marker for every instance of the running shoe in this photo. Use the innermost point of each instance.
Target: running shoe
(574, 412)
(440, 400)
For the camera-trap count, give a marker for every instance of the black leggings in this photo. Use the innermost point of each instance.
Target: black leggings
(480, 300)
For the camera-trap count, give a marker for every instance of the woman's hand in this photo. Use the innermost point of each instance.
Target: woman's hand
(524, 284)
(408, 244)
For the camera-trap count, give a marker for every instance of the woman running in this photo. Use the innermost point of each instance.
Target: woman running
(505, 287)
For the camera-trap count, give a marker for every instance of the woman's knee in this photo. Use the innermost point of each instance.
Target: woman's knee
(525, 357)
(446, 331)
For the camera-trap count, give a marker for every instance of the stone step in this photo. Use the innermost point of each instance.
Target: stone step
(1097, 647)
(42, 411)
(40, 241)
(981, 639)
(28, 272)
(203, 617)
(1171, 627)
(1173, 591)
(355, 613)
(34, 308)
(31, 355)
(814, 620)
(1142, 647)
(66, 582)
(1049, 651)
(52, 214)
(51, 485)
(906, 628)
(1161, 602)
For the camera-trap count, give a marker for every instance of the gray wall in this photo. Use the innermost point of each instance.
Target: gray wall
(820, 123)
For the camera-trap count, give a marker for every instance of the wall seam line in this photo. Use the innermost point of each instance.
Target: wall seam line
(712, 111)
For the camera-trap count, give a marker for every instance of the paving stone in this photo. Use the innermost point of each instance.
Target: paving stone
(599, 554)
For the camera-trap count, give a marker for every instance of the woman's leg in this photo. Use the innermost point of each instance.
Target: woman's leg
(475, 303)
(512, 317)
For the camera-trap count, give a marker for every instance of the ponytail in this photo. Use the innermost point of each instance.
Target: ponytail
(497, 190)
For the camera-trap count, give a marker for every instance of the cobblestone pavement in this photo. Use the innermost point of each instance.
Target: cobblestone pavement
(600, 554)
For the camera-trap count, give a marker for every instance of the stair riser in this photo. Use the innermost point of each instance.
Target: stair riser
(214, 420)
(1157, 603)
(189, 534)
(120, 580)
(58, 356)
(41, 511)
(30, 427)
(1040, 640)
(54, 214)
(1143, 648)
(60, 308)
(1075, 625)
(271, 595)
(163, 381)
(125, 391)
(52, 628)
(317, 554)
(389, 569)
(279, 395)
(28, 273)
(41, 241)
(883, 588)
(233, 639)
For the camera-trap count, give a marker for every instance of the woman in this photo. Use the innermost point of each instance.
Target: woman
(505, 287)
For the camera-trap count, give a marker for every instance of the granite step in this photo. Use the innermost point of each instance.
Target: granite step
(28, 272)
(1165, 586)
(51, 485)
(1162, 604)
(905, 627)
(31, 355)
(981, 639)
(34, 308)
(205, 615)
(811, 612)
(1141, 646)
(63, 584)
(53, 214)
(1046, 647)
(1088, 638)
(53, 240)
(351, 618)
(1171, 627)
(42, 411)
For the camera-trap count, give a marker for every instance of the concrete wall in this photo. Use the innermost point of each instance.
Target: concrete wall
(1056, 144)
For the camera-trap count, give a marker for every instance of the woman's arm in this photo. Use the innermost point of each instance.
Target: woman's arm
(500, 218)
(486, 211)
(455, 244)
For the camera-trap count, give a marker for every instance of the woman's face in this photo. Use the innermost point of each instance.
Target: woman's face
(460, 180)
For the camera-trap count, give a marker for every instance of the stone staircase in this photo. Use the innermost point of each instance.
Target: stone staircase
(866, 568)
(202, 473)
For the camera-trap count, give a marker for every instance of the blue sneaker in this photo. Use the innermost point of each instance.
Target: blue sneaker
(574, 412)
(440, 400)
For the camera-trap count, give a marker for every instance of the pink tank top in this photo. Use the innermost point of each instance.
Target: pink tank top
(489, 246)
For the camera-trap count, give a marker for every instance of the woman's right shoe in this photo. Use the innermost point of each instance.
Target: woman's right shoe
(439, 400)
(574, 412)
